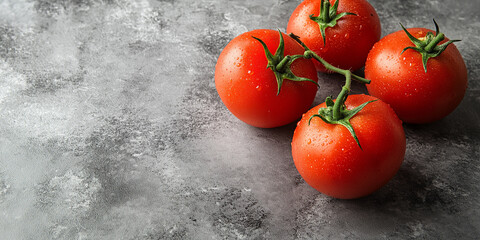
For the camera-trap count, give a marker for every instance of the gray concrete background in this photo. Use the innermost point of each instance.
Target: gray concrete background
(111, 128)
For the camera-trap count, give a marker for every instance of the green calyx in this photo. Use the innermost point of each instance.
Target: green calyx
(328, 16)
(280, 64)
(337, 113)
(428, 46)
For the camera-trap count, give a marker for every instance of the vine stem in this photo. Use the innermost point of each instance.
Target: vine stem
(325, 13)
(435, 42)
(281, 66)
(342, 96)
(310, 54)
(336, 113)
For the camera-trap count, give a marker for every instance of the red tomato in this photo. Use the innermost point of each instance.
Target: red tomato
(401, 81)
(249, 90)
(329, 159)
(348, 42)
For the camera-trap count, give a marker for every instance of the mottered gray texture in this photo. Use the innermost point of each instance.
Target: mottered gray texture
(111, 128)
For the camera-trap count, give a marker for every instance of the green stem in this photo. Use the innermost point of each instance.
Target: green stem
(342, 96)
(310, 53)
(282, 64)
(434, 42)
(325, 12)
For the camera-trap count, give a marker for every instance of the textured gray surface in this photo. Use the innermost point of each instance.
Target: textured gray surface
(111, 128)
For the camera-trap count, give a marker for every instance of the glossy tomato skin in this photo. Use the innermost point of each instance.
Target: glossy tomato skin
(401, 81)
(348, 43)
(249, 90)
(329, 159)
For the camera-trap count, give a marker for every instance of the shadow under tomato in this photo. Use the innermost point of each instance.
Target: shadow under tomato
(410, 191)
(462, 122)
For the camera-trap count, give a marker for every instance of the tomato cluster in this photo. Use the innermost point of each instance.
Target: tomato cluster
(351, 146)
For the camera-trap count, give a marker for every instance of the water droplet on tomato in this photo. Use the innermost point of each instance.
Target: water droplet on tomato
(347, 36)
(360, 27)
(309, 141)
(250, 72)
(258, 87)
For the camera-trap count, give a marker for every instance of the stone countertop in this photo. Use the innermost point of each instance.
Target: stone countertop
(111, 128)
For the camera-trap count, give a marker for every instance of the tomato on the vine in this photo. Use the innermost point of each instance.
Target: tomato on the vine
(332, 161)
(258, 95)
(422, 76)
(340, 31)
